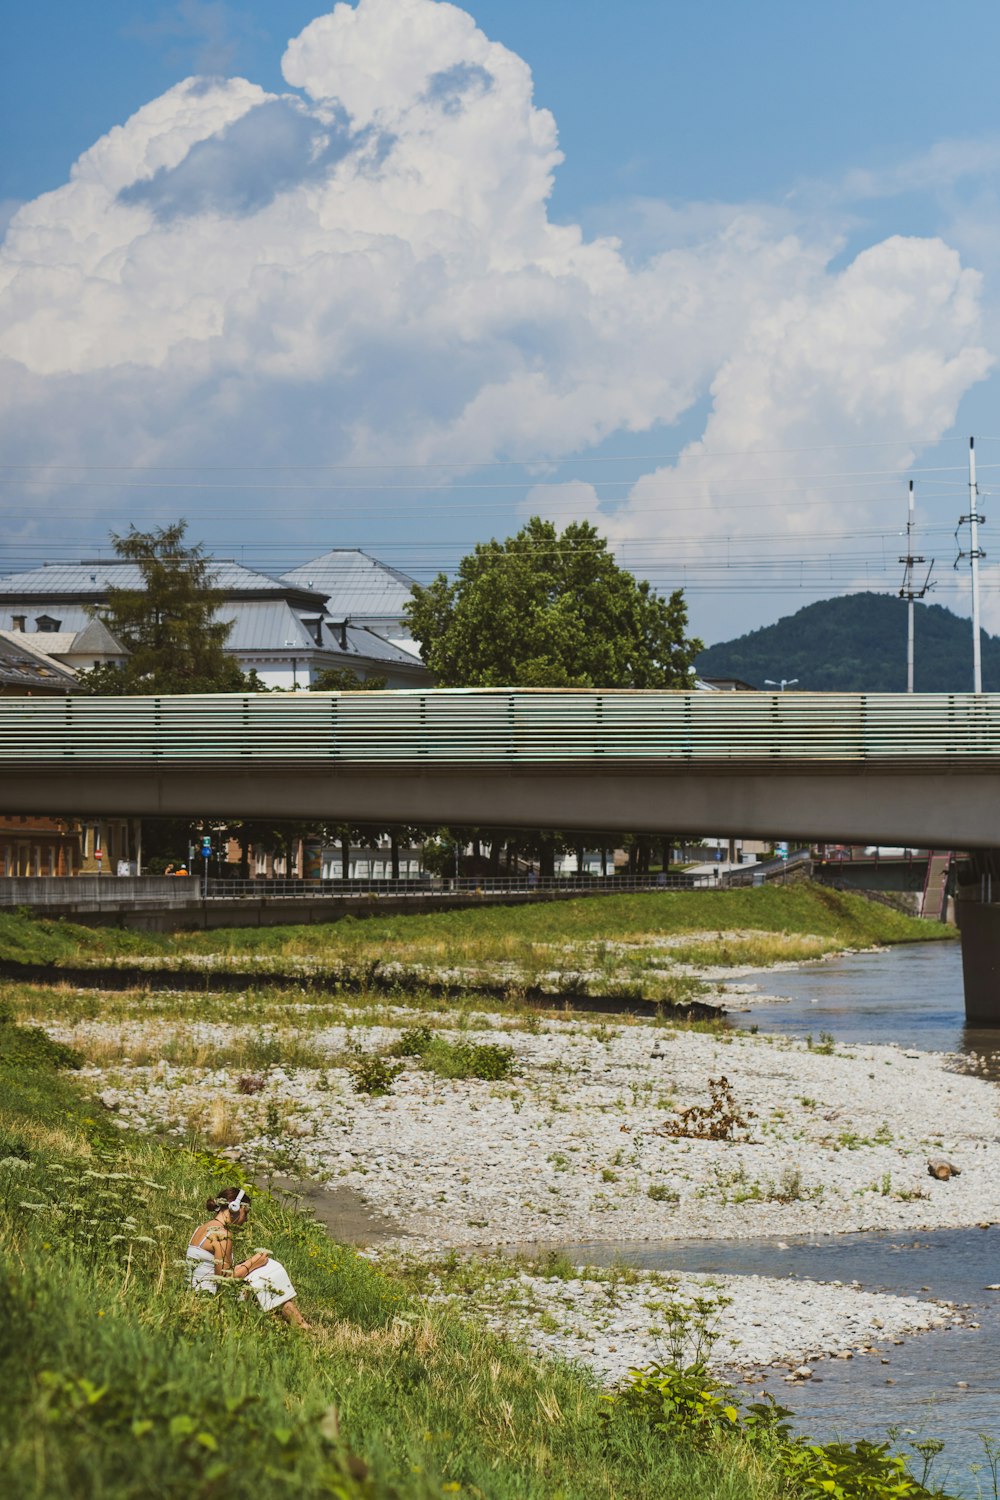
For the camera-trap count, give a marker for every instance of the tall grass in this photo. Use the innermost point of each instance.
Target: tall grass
(119, 1383)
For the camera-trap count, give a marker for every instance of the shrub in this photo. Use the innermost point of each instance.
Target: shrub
(413, 1042)
(31, 1047)
(661, 1193)
(690, 1405)
(469, 1060)
(372, 1073)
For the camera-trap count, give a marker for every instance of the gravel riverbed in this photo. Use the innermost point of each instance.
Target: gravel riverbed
(577, 1147)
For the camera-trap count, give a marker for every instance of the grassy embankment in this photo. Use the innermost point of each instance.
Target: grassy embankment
(120, 1383)
(631, 945)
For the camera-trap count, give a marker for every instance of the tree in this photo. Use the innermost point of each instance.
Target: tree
(544, 610)
(176, 644)
(342, 680)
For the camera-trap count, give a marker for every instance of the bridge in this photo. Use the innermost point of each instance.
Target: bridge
(877, 768)
(863, 768)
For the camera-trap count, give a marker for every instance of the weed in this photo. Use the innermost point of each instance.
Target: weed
(719, 1120)
(373, 1074)
(660, 1192)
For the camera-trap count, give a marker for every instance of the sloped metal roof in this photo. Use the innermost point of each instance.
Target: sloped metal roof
(362, 642)
(357, 587)
(30, 670)
(265, 625)
(93, 580)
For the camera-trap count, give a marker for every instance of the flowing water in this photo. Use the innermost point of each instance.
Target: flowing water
(941, 1385)
(910, 995)
(934, 1385)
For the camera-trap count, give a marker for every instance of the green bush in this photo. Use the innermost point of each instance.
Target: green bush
(373, 1073)
(468, 1059)
(691, 1405)
(413, 1042)
(31, 1047)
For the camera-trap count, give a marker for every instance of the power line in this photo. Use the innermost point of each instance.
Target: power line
(689, 455)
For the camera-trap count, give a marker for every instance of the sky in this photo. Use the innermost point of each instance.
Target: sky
(396, 275)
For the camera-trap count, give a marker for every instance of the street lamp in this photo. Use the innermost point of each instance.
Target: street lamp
(785, 682)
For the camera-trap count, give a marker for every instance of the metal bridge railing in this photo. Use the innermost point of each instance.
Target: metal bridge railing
(503, 727)
(138, 891)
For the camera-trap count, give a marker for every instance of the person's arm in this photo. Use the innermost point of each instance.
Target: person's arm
(252, 1263)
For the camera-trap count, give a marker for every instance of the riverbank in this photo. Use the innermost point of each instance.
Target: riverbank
(119, 1382)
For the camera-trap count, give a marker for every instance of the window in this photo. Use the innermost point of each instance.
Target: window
(47, 625)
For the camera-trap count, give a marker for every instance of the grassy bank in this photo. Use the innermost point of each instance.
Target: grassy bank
(650, 945)
(120, 1383)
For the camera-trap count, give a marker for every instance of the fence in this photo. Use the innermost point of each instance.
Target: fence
(171, 891)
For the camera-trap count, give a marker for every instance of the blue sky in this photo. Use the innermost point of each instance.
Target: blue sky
(770, 247)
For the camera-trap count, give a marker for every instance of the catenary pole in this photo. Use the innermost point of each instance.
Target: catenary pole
(909, 595)
(974, 519)
(909, 590)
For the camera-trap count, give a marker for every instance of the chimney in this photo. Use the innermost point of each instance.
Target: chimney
(343, 636)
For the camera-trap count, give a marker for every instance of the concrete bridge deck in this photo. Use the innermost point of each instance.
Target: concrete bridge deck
(921, 769)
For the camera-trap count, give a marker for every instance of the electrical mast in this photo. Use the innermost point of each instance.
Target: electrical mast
(974, 553)
(908, 591)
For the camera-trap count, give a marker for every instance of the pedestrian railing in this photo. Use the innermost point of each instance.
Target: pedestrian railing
(173, 891)
(506, 728)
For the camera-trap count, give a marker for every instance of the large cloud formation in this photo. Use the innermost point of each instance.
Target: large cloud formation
(364, 269)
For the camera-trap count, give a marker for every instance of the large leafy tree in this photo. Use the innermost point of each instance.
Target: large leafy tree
(548, 610)
(169, 624)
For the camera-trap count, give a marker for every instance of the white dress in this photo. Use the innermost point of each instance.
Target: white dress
(270, 1284)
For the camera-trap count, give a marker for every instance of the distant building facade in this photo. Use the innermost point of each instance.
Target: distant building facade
(288, 631)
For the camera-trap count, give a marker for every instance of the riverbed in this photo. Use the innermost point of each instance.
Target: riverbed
(852, 1081)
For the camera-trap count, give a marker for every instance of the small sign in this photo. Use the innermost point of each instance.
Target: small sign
(206, 848)
(98, 853)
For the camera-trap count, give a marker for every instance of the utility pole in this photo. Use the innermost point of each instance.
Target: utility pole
(908, 592)
(974, 553)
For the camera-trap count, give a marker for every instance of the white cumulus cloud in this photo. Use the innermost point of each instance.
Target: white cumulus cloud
(364, 268)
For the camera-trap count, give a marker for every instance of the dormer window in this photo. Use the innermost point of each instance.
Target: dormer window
(47, 625)
(19, 622)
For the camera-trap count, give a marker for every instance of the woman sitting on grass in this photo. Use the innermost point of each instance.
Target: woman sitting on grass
(210, 1251)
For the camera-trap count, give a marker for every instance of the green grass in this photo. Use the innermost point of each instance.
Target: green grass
(120, 1383)
(607, 944)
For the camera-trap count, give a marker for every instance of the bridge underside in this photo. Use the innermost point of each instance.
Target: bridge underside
(848, 804)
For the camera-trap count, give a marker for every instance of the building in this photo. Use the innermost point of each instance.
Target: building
(79, 650)
(365, 593)
(282, 629)
(25, 671)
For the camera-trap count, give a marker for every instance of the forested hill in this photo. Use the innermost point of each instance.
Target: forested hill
(858, 644)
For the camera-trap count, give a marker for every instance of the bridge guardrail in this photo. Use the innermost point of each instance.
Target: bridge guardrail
(505, 727)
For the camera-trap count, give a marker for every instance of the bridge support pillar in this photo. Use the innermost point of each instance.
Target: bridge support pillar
(977, 912)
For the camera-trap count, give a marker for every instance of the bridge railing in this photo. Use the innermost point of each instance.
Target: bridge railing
(504, 727)
(160, 891)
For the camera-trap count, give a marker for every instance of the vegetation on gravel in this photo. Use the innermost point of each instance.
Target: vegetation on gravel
(120, 1383)
(636, 946)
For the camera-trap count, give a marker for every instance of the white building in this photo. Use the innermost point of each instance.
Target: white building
(285, 630)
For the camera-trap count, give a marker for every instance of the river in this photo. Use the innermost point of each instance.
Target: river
(941, 1385)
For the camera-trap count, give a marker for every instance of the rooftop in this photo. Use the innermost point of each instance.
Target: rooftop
(356, 586)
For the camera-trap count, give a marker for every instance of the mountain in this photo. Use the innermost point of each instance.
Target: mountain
(857, 643)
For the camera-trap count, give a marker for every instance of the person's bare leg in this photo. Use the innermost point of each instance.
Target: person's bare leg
(290, 1312)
